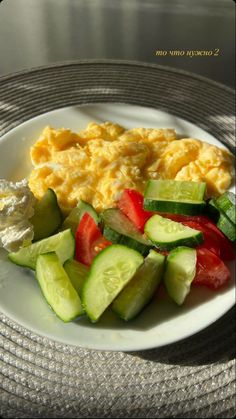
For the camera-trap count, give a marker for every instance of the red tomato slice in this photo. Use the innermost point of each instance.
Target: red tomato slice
(211, 270)
(131, 204)
(87, 235)
(227, 251)
(202, 219)
(210, 241)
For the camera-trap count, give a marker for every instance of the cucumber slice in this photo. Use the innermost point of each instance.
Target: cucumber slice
(57, 288)
(47, 216)
(227, 228)
(110, 271)
(62, 243)
(212, 211)
(73, 219)
(77, 273)
(175, 197)
(223, 223)
(119, 229)
(180, 272)
(140, 289)
(167, 234)
(227, 204)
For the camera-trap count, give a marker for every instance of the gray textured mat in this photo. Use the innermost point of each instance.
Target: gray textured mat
(192, 378)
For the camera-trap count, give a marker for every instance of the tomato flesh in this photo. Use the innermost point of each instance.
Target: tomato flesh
(210, 270)
(227, 251)
(131, 204)
(99, 244)
(88, 240)
(210, 241)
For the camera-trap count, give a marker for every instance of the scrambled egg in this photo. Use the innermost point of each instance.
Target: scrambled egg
(98, 163)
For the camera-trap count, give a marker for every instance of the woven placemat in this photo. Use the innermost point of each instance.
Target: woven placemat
(192, 378)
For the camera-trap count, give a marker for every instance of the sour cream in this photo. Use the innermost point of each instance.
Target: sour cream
(16, 208)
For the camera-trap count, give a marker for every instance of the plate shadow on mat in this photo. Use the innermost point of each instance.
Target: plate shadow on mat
(215, 344)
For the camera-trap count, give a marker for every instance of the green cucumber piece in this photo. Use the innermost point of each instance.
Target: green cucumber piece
(62, 243)
(227, 228)
(119, 229)
(212, 211)
(167, 234)
(110, 271)
(223, 223)
(57, 288)
(74, 217)
(175, 197)
(227, 204)
(47, 216)
(180, 272)
(77, 273)
(140, 289)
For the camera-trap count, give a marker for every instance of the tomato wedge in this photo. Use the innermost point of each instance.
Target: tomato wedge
(227, 251)
(210, 241)
(88, 240)
(211, 270)
(131, 204)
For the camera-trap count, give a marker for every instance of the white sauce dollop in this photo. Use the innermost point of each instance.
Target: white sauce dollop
(16, 208)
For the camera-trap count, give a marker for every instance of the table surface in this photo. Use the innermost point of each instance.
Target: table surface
(35, 33)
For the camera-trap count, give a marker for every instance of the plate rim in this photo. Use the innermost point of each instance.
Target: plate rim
(96, 347)
(121, 349)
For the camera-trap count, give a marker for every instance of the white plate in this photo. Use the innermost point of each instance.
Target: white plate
(162, 322)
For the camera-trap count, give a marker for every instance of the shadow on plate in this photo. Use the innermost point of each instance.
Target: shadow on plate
(216, 343)
(160, 310)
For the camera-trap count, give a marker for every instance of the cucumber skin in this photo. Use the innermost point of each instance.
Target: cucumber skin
(118, 238)
(117, 308)
(79, 211)
(80, 313)
(226, 204)
(222, 221)
(13, 255)
(84, 207)
(228, 228)
(172, 207)
(76, 272)
(39, 232)
(128, 235)
(185, 241)
(169, 259)
(88, 279)
(212, 210)
(188, 242)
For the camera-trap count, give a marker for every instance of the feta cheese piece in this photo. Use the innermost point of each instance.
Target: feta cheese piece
(16, 208)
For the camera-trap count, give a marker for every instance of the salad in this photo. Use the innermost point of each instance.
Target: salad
(170, 237)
